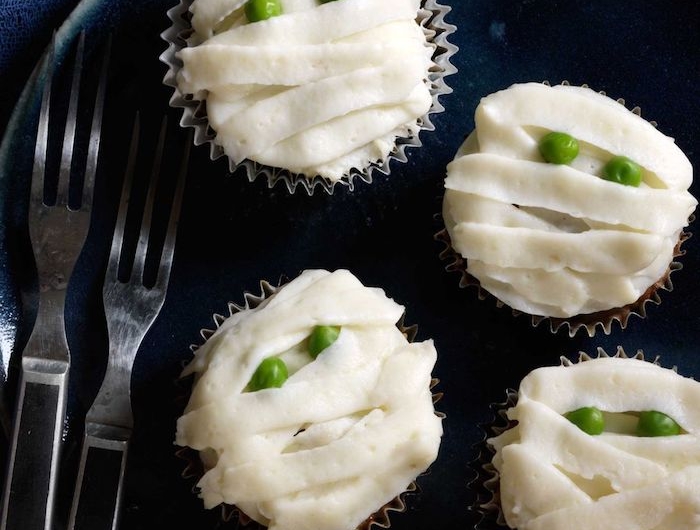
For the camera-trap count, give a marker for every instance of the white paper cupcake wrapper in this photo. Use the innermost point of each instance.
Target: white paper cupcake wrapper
(194, 468)
(431, 18)
(486, 484)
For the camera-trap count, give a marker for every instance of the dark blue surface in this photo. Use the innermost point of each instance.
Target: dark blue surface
(234, 233)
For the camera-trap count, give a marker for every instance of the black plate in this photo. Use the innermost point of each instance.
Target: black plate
(234, 233)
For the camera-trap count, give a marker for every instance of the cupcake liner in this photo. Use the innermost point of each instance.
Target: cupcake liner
(194, 468)
(431, 18)
(486, 484)
(589, 322)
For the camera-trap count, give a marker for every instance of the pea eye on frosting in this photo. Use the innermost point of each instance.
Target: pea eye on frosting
(271, 373)
(257, 10)
(322, 337)
(655, 423)
(558, 148)
(622, 170)
(588, 419)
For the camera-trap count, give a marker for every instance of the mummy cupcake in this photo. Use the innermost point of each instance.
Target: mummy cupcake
(312, 410)
(607, 443)
(566, 205)
(309, 88)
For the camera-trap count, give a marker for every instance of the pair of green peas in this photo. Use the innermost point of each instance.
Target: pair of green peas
(562, 148)
(272, 372)
(651, 422)
(257, 10)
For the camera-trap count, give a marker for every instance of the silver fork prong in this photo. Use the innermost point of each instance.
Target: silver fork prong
(42, 134)
(144, 233)
(94, 142)
(166, 257)
(71, 121)
(118, 239)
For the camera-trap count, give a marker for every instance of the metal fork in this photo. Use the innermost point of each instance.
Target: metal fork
(57, 233)
(130, 310)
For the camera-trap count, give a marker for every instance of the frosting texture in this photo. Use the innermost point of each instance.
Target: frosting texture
(554, 476)
(344, 435)
(317, 90)
(559, 240)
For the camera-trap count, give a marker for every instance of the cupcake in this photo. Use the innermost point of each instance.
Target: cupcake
(564, 204)
(308, 91)
(311, 409)
(606, 443)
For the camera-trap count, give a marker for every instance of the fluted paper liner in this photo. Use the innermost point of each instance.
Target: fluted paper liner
(194, 467)
(431, 18)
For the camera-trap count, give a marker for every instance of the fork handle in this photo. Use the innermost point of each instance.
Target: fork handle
(30, 483)
(98, 488)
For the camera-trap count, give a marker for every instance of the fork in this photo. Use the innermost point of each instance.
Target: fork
(130, 309)
(57, 233)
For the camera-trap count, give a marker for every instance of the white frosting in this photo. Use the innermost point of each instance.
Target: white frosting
(558, 240)
(317, 90)
(364, 403)
(554, 476)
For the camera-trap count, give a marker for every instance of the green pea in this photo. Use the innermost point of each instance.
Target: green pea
(622, 170)
(272, 373)
(558, 148)
(256, 10)
(588, 419)
(322, 337)
(654, 423)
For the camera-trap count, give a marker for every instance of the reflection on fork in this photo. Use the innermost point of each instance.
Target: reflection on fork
(131, 307)
(57, 229)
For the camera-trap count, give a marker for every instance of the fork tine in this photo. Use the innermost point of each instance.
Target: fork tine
(42, 134)
(166, 257)
(71, 119)
(142, 247)
(94, 143)
(118, 239)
